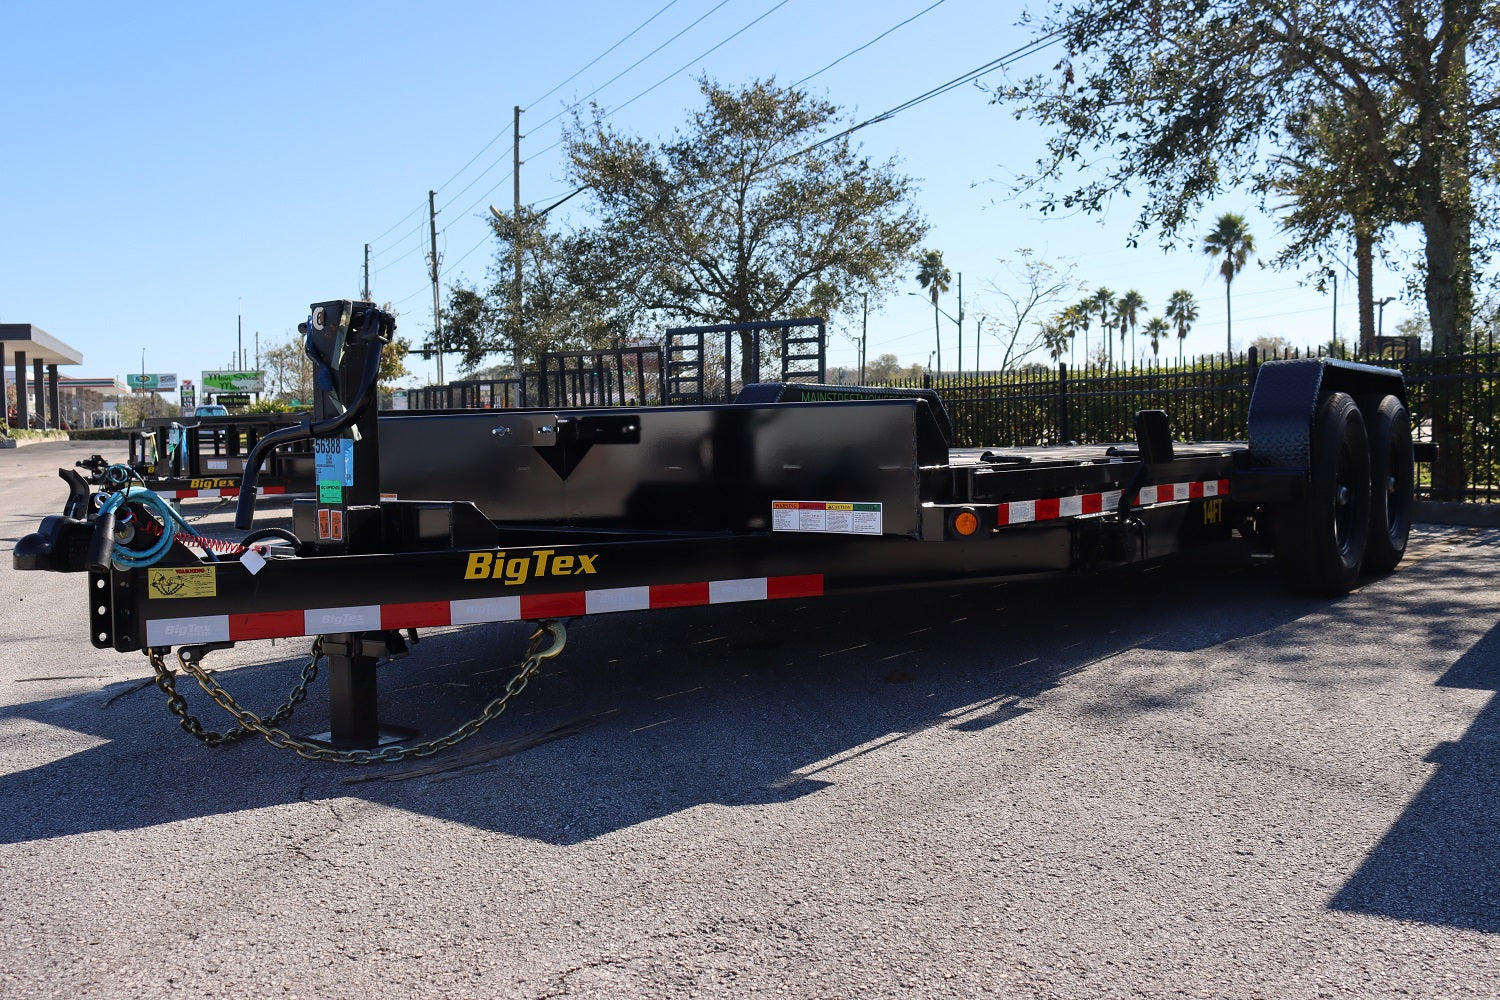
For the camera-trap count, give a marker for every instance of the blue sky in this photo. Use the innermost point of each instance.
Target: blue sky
(170, 168)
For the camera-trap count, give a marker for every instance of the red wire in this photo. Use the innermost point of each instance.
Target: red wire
(219, 545)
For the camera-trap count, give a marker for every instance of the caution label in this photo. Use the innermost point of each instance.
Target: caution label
(837, 517)
(182, 581)
(330, 524)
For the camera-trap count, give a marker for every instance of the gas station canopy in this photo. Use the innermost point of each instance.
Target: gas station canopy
(36, 344)
(21, 343)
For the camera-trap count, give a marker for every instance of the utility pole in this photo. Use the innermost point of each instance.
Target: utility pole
(864, 335)
(239, 343)
(437, 304)
(1335, 342)
(515, 294)
(367, 273)
(960, 322)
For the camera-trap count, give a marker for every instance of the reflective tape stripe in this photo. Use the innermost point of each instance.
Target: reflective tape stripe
(228, 491)
(473, 611)
(1052, 508)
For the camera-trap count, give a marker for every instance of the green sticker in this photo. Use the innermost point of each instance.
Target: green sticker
(330, 493)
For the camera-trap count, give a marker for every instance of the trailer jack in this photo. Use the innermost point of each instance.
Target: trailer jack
(356, 735)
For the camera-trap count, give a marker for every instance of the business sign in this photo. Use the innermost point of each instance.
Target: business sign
(152, 382)
(216, 382)
(189, 394)
(233, 398)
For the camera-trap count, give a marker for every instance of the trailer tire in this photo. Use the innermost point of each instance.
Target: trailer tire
(1392, 475)
(1320, 539)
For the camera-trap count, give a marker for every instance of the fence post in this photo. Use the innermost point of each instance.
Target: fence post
(1253, 357)
(1062, 402)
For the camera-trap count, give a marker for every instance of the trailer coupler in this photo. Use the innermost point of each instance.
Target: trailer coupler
(355, 735)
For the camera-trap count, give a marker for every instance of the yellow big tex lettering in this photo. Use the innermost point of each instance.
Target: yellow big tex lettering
(516, 570)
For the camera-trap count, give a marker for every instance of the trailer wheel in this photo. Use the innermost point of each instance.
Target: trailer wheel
(1392, 474)
(1320, 539)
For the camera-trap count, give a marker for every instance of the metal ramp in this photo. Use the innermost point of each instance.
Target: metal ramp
(705, 364)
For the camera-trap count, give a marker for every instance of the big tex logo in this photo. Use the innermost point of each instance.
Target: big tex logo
(516, 570)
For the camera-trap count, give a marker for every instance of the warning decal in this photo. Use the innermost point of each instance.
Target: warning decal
(182, 581)
(836, 517)
(330, 524)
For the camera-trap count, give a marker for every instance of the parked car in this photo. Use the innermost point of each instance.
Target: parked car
(211, 410)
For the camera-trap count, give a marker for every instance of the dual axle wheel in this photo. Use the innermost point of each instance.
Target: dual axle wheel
(1355, 514)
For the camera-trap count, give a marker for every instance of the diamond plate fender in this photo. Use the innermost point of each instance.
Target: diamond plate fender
(1285, 399)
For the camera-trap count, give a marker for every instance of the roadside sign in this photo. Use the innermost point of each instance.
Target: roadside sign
(152, 382)
(232, 381)
(233, 398)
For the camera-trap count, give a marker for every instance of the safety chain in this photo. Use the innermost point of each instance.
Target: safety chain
(249, 721)
(177, 704)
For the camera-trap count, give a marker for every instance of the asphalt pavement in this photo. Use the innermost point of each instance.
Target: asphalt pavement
(1179, 782)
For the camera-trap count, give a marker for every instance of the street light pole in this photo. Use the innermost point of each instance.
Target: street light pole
(936, 310)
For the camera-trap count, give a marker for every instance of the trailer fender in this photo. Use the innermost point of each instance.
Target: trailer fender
(1285, 400)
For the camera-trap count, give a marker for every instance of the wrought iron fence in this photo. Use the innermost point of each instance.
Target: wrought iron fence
(1454, 400)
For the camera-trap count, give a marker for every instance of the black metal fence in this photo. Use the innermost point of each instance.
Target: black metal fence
(1207, 400)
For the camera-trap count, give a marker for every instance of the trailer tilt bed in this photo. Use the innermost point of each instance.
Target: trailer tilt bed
(792, 491)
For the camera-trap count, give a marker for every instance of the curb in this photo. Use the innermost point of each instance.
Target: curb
(1464, 515)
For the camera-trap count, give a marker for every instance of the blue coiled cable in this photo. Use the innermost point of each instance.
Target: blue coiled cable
(120, 476)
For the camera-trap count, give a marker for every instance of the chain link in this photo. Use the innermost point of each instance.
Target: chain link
(266, 727)
(177, 704)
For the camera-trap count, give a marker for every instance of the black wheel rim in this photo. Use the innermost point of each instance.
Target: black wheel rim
(1345, 509)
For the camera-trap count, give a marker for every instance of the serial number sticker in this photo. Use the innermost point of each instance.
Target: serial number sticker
(183, 581)
(835, 517)
(333, 461)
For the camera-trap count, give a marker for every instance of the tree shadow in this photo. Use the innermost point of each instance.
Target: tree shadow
(644, 715)
(1440, 862)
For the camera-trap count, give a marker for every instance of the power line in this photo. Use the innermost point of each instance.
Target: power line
(501, 135)
(872, 41)
(633, 65)
(606, 52)
(1001, 62)
(722, 42)
(1005, 60)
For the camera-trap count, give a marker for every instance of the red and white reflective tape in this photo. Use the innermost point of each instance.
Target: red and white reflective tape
(473, 611)
(230, 491)
(1052, 508)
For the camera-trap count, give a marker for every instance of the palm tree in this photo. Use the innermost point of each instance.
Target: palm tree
(1073, 318)
(1182, 310)
(1055, 335)
(1156, 329)
(1230, 239)
(934, 276)
(1085, 309)
(1102, 300)
(1128, 309)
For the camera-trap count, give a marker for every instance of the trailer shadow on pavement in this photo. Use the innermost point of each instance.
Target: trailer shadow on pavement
(651, 715)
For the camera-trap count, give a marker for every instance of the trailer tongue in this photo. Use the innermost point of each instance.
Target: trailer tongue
(794, 491)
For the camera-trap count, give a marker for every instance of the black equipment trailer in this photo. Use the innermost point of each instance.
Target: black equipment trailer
(204, 458)
(791, 491)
